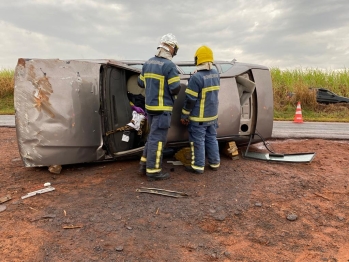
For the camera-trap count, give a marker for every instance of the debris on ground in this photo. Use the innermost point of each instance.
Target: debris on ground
(72, 227)
(163, 192)
(184, 155)
(2, 208)
(39, 192)
(175, 163)
(231, 150)
(5, 199)
(56, 169)
(292, 217)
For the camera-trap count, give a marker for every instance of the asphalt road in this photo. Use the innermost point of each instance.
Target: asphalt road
(7, 120)
(325, 130)
(281, 129)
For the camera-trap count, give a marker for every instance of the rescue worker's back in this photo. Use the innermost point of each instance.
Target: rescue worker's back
(204, 86)
(161, 75)
(200, 112)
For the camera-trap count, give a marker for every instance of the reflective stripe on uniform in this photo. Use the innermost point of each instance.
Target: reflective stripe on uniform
(159, 108)
(201, 168)
(153, 170)
(173, 80)
(192, 153)
(185, 112)
(203, 99)
(161, 91)
(158, 155)
(191, 92)
(201, 117)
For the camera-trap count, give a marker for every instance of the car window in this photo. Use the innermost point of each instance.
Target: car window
(225, 67)
(189, 69)
(139, 66)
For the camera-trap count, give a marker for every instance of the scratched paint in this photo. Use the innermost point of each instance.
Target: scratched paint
(42, 93)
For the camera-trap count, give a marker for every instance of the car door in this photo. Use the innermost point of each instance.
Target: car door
(322, 97)
(116, 111)
(325, 96)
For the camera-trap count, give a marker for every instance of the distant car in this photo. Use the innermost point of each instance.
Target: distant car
(74, 111)
(325, 96)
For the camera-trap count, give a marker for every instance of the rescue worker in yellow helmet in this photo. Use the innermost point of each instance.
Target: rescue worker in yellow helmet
(200, 112)
(161, 81)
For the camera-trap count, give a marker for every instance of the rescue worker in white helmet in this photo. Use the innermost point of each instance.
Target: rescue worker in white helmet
(200, 112)
(161, 81)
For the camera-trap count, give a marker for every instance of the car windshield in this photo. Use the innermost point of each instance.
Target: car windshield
(225, 67)
(189, 69)
(139, 66)
(326, 92)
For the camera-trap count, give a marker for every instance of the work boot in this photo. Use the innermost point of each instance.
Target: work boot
(158, 176)
(142, 168)
(213, 168)
(192, 170)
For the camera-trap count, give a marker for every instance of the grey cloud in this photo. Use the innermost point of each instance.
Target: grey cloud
(286, 33)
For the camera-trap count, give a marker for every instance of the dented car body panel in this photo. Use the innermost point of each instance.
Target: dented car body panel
(67, 110)
(57, 112)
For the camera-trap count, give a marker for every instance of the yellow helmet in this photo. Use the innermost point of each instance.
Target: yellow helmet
(203, 54)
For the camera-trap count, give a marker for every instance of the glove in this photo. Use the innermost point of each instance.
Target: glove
(184, 120)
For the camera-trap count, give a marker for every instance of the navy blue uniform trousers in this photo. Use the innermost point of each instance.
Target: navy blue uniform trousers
(157, 138)
(203, 141)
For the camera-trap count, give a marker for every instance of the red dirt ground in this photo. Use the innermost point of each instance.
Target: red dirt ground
(238, 213)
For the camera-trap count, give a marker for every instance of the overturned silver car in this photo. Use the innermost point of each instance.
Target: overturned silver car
(75, 111)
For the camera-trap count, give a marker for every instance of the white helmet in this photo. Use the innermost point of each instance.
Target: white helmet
(169, 39)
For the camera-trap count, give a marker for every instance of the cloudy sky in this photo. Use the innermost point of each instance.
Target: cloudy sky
(280, 33)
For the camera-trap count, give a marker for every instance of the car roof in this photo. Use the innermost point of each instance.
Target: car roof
(319, 88)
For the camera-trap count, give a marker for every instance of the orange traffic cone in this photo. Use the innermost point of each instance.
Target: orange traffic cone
(298, 116)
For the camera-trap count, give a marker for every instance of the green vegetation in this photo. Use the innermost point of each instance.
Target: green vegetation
(292, 86)
(285, 82)
(6, 92)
